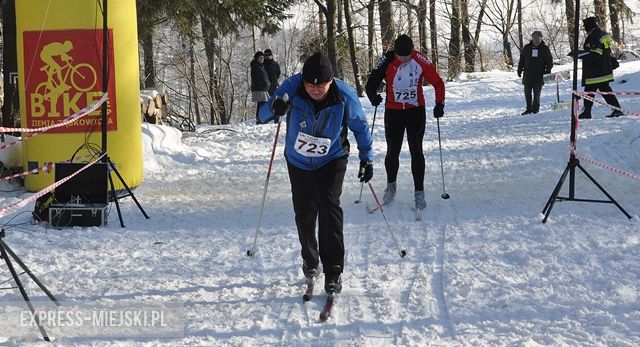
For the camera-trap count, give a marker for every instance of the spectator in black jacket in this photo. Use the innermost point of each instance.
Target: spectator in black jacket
(259, 82)
(273, 70)
(597, 69)
(535, 61)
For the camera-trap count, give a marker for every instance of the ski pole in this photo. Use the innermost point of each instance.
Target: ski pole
(444, 193)
(251, 251)
(403, 252)
(375, 111)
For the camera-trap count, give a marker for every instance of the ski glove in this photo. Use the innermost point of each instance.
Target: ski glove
(438, 110)
(366, 171)
(376, 100)
(280, 107)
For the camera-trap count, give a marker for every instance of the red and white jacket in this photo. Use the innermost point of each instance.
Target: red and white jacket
(404, 80)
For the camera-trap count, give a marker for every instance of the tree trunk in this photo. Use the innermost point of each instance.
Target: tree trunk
(371, 33)
(352, 45)
(506, 50)
(387, 32)
(600, 9)
(217, 106)
(9, 64)
(469, 45)
(331, 34)
(194, 91)
(149, 80)
(520, 38)
(476, 35)
(434, 32)
(410, 21)
(569, 10)
(422, 25)
(614, 17)
(454, 43)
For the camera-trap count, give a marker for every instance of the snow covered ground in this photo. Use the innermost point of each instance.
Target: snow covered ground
(481, 270)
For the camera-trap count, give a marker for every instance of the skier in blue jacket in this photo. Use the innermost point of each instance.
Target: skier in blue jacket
(319, 109)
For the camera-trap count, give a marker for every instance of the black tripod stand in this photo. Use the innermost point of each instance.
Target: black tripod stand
(574, 163)
(106, 159)
(571, 170)
(5, 253)
(114, 195)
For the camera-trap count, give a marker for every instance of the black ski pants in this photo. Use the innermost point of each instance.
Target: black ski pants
(533, 103)
(603, 87)
(395, 123)
(316, 196)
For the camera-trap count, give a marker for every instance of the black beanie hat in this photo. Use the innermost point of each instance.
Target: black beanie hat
(258, 54)
(268, 51)
(317, 69)
(403, 45)
(590, 23)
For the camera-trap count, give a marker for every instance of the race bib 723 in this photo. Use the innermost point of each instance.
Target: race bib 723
(311, 146)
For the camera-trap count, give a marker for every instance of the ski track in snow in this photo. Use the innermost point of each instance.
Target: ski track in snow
(481, 269)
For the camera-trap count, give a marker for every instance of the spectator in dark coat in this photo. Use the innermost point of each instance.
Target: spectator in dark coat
(259, 82)
(597, 69)
(273, 70)
(535, 61)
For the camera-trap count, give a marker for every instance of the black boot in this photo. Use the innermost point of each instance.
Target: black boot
(586, 114)
(615, 113)
(332, 283)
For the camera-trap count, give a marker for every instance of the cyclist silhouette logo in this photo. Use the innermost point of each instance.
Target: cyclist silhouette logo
(62, 75)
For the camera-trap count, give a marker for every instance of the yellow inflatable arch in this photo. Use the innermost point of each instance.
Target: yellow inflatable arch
(60, 72)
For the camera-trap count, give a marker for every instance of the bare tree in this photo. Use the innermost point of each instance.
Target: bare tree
(476, 35)
(352, 46)
(501, 16)
(600, 9)
(387, 32)
(371, 33)
(469, 45)
(421, 13)
(329, 12)
(454, 41)
(434, 32)
(614, 17)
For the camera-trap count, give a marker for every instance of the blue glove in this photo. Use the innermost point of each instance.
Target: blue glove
(438, 110)
(366, 171)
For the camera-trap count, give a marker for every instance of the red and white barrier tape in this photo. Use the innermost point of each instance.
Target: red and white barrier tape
(607, 93)
(587, 97)
(20, 204)
(24, 138)
(44, 168)
(610, 168)
(83, 112)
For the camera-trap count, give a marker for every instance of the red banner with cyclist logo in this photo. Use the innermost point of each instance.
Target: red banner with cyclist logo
(63, 71)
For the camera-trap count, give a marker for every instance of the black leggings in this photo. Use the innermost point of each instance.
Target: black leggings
(395, 123)
(316, 196)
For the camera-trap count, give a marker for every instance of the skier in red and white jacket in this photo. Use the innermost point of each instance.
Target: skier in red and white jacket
(404, 70)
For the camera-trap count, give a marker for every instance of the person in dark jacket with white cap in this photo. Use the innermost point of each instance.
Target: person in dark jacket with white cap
(320, 110)
(535, 61)
(597, 69)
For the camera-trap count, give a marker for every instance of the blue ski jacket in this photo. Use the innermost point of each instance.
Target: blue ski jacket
(314, 136)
